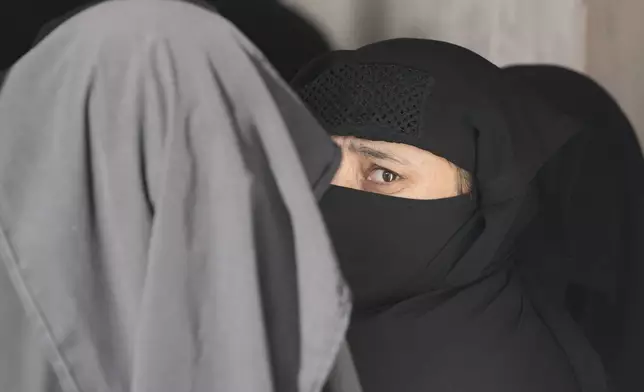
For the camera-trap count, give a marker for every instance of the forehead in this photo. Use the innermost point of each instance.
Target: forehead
(401, 153)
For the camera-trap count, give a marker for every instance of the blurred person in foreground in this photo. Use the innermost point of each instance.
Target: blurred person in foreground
(159, 228)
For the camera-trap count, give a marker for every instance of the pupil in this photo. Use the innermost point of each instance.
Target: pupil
(388, 176)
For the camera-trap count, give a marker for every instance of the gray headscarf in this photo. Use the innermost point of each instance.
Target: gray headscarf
(158, 232)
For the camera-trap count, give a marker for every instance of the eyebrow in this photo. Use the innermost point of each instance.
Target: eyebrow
(371, 152)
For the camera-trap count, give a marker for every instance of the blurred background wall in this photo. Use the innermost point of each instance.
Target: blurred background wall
(504, 31)
(615, 52)
(604, 38)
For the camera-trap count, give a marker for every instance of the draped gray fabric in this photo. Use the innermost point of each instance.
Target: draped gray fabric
(158, 231)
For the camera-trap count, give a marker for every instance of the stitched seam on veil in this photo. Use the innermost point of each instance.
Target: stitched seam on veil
(33, 311)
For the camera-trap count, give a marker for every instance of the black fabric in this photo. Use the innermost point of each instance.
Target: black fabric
(402, 229)
(20, 22)
(287, 39)
(592, 220)
(468, 319)
(381, 95)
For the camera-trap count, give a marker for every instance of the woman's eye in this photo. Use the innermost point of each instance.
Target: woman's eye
(383, 176)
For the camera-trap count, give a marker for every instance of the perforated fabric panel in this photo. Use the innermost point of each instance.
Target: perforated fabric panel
(369, 94)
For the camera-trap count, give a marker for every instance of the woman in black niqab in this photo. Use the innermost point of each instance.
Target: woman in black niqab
(592, 220)
(440, 304)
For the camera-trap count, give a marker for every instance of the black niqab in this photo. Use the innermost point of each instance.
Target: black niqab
(465, 319)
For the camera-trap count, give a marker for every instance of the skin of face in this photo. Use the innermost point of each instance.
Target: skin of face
(395, 169)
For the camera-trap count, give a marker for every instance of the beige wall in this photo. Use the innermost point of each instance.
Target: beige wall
(615, 54)
(505, 31)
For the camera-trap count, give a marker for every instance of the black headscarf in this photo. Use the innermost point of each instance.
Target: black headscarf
(592, 220)
(442, 306)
